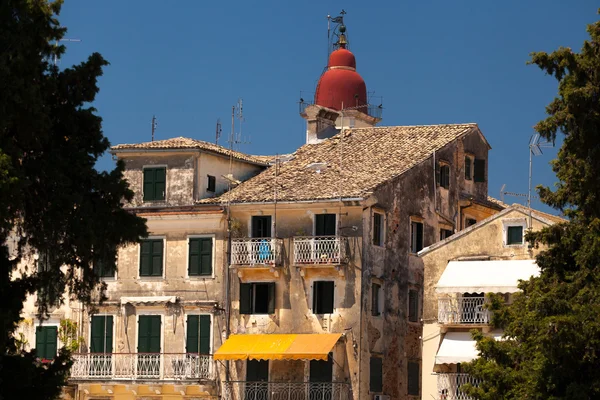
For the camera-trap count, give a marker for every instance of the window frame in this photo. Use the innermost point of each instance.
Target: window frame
(511, 223)
(157, 166)
(410, 316)
(312, 296)
(150, 313)
(211, 331)
(376, 299)
(314, 223)
(164, 259)
(114, 330)
(253, 298)
(211, 182)
(380, 233)
(112, 277)
(58, 342)
(413, 245)
(213, 257)
(444, 231)
(444, 175)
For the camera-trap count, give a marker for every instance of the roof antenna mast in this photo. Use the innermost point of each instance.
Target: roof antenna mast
(218, 131)
(154, 126)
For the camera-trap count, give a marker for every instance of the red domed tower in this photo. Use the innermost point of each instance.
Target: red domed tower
(341, 86)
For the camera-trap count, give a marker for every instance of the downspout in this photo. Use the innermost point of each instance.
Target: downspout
(434, 184)
(227, 272)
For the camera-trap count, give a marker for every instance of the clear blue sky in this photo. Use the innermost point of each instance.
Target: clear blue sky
(432, 62)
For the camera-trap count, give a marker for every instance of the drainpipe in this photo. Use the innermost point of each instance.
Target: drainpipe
(227, 301)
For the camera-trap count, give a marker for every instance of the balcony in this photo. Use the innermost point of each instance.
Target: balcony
(320, 250)
(463, 310)
(132, 366)
(256, 252)
(448, 386)
(286, 391)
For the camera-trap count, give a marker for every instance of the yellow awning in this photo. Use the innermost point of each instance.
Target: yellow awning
(314, 346)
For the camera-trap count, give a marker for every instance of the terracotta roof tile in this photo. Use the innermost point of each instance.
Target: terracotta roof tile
(187, 143)
(370, 156)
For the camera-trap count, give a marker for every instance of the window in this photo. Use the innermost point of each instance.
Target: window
(46, 342)
(101, 334)
(149, 334)
(104, 269)
(416, 236)
(261, 226)
(257, 298)
(470, 222)
(321, 371)
(376, 374)
(445, 233)
(514, 235)
(479, 173)
(212, 183)
(323, 297)
(44, 262)
(413, 378)
(444, 180)
(200, 257)
(468, 172)
(378, 229)
(256, 371)
(413, 305)
(154, 184)
(151, 257)
(375, 293)
(325, 224)
(197, 339)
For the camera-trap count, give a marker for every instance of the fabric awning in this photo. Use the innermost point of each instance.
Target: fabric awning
(148, 300)
(459, 347)
(277, 347)
(499, 276)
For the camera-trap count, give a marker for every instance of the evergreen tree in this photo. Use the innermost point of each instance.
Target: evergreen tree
(552, 330)
(53, 202)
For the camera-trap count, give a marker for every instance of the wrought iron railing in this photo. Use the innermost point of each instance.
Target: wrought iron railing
(256, 251)
(463, 310)
(160, 366)
(448, 386)
(240, 390)
(320, 250)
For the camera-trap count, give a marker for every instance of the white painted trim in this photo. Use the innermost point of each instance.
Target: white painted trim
(166, 167)
(213, 256)
(145, 313)
(164, 261)
(212, 327)
(90, 329)
(508, 222)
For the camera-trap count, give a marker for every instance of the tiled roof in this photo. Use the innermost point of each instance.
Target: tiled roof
(554, 218)
(370, 156)
(187, 143)
(500, 203)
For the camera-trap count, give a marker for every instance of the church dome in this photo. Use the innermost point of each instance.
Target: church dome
(341, 84)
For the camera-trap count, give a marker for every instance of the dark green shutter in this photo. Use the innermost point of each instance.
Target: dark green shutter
(192, 336)
(145, 258)
(200, 257)
(257, 370)
(468, 168)
(271, 305)
(245, 298)
(148, 184)
(46, 341)
(149, 334)
(159, 183)
(194, 257)
(205, 334)
(157, 257)
(376, 374)
(413, 305)
(419, 236)
(515, 235)
(101, 340)
(479, 174)
(413, 378)
(377, 222)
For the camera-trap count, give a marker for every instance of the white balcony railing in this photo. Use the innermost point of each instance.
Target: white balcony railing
(320, 250)
(256, 251)
(449, 385)
(463, 310)
(286, 391)
(160, 366)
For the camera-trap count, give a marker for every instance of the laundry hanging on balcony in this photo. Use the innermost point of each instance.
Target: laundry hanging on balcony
(315, 346)
(498, 276)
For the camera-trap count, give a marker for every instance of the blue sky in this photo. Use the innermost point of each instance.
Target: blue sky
(432, 62)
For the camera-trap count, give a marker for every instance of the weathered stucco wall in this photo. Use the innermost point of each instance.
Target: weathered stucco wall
(293, 304)
(218, 166)
(486, 239)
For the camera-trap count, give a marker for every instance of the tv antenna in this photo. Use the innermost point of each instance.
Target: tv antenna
(237, 111)
(513, 194)
(154, 126)
(535, 148)
(218, 131)
(63, 40)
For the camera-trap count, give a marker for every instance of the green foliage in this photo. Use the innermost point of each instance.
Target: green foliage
(69, 336)
(51, 195)
(552, 329)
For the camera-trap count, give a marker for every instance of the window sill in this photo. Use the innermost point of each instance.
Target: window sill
(200, 277)
(150, 278)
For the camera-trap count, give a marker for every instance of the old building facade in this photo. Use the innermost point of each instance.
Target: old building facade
(459, 272)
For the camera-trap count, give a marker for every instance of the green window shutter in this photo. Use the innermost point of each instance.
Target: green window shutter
(514, 235)
(206, 256)
(192, 337)
(376, 374)
(149, 184)
(157, 257)
(205, 334)
(479, 174)
(194, 257)
(149, 334)
(101, 340)
(413, 378)
(413, 305)
(468, 168)
(159, 183)
(245, 298)
(40, 341)
(146, 258)
(46, 341)
(271, 305)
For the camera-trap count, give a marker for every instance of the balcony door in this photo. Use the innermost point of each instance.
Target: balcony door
(149, 327)
(325, 224)
(261, 226)
(101, 344)
(257, 378)
(321, 376)
(261, 251)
